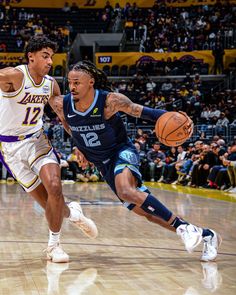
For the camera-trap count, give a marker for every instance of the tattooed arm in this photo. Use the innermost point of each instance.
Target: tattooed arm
(56, 103)
(117, 102)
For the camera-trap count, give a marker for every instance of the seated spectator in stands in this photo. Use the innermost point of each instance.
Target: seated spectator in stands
(150, 85)
(74, 8)
(230, 163)
(129, 29)
(122, 86)
(204, 117)
(183, 168)
(117, 9)
(14, 30)
(196, 91)
(155, 158)
(171, 174)
(73, 163)
(66, 7)
(141, 138)
(214, 114)
(197, 81)
(20, 44)
(171, 157)
(90, 173)
(168, 66)
(183, 91)
(222, 123)
(208, 158)
(167, 86)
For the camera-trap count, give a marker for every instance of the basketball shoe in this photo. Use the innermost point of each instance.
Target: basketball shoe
(56, 254)
(85, 224)
(190, 234)
(210, 246)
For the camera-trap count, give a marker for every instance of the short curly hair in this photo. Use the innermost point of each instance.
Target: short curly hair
(37, 43)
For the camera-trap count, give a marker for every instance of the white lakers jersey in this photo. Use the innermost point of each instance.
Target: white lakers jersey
(22, 110)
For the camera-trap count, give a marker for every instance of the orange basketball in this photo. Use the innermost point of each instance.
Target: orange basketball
(172, 128)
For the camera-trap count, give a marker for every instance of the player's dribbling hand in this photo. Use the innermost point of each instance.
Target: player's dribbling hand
(82, 161)
(190, 123)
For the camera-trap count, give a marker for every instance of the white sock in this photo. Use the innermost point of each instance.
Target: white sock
(54, 238)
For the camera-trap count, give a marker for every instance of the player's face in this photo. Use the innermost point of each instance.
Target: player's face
(41, 60)
(80, 84)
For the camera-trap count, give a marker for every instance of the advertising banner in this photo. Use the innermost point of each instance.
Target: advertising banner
(101, 3)
(6, 58)
(133, 58)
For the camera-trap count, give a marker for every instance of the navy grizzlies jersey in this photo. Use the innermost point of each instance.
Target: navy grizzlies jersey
(99, 139)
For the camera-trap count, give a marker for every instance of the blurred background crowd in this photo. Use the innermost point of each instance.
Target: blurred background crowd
(207, 94)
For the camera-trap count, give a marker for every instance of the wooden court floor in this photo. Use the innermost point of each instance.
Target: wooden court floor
(130, 256)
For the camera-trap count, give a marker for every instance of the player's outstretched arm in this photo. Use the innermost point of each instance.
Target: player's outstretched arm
(117, 102)
(56, 103)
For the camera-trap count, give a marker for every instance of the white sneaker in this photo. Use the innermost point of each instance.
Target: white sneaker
(229, 189)
(56, 254)
(232, 191)
(191, 235)
(212, 279)
(175, 182)
(210, 246)
(87, 226)
(160, 179)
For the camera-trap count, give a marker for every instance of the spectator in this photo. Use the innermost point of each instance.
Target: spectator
(74, 8)
(73, 163)
(66, 8)
(218, 52)
(155, 158)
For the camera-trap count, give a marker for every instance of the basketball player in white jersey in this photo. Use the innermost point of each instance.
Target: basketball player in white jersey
(25, 149)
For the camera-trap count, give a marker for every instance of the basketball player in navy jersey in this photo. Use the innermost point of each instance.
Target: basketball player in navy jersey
(98, 131)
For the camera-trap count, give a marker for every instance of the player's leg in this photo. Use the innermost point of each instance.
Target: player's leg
(191, 235)
(152, 218)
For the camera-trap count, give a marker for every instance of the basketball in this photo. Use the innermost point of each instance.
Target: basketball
(172, 128)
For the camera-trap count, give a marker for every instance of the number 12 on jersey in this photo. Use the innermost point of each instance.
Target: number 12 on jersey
(34, 114)
(90, 139)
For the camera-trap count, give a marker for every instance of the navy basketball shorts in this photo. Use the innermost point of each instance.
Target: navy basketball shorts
(126, 157)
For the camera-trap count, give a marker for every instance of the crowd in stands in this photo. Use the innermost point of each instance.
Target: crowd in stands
(164, 29)
(209, 165)
(17, 25)
(191, 94)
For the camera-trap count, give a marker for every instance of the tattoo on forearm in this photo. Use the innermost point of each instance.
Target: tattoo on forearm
(124, 104)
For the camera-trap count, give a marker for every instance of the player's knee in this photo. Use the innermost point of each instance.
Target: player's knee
(127, 194)
(54, 187)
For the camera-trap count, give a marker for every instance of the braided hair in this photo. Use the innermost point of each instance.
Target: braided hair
(99, 76)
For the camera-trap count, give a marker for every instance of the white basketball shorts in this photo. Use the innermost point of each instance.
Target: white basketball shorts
(25, 158)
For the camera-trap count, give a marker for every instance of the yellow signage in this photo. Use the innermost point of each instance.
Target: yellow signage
(134, 58)
(6, 58)
(101, 3)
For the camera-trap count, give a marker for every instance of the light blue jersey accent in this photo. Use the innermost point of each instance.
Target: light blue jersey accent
(89, 109)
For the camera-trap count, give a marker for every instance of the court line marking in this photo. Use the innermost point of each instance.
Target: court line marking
(113, 245)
